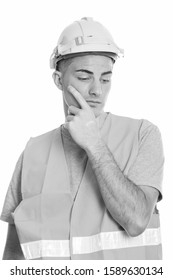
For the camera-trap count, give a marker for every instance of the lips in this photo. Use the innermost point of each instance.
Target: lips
(93, 101)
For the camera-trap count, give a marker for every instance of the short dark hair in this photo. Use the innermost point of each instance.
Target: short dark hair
(63, 64)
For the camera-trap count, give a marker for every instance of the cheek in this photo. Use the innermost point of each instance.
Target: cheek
(106, 90)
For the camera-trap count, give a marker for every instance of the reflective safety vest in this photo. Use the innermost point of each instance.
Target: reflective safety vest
(51, 225)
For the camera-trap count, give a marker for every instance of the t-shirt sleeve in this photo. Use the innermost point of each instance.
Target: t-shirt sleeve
(13, 196)
(147, 168)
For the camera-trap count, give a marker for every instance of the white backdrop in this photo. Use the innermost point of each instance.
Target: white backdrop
(142, 86)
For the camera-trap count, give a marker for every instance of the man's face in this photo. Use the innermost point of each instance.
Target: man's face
(91, 76)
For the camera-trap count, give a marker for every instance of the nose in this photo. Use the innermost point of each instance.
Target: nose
(95, 89)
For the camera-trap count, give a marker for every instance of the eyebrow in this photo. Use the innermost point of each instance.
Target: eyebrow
(91, 73)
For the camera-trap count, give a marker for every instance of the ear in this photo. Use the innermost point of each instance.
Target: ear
(57, 79)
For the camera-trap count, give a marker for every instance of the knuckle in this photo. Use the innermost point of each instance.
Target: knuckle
(70, 107)
(80, 113)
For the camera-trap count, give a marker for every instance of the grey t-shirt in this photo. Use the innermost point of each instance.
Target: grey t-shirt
(147, 168)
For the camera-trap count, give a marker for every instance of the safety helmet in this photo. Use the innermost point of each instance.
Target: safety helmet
(83, 37)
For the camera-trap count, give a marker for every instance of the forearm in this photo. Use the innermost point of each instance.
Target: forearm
(125, 201)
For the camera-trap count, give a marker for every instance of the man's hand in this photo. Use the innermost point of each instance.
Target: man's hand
(81, 123)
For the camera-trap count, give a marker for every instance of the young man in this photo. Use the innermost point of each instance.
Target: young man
(87, 190)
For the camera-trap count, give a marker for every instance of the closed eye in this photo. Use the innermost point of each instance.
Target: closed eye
(83, 78)
(106, 80)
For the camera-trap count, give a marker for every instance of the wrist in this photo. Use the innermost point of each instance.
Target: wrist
(96, 147)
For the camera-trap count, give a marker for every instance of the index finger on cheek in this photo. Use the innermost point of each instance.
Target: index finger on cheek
(78, 96)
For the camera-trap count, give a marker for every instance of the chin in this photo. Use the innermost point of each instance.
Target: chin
(96, 112)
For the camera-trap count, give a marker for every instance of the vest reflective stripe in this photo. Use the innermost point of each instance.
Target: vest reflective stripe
(90, 244)
(115, 240)
(46, 248)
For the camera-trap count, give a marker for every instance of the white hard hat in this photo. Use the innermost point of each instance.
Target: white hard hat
(84, 36)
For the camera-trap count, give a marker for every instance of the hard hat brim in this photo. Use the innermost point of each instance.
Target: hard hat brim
(113, 56)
